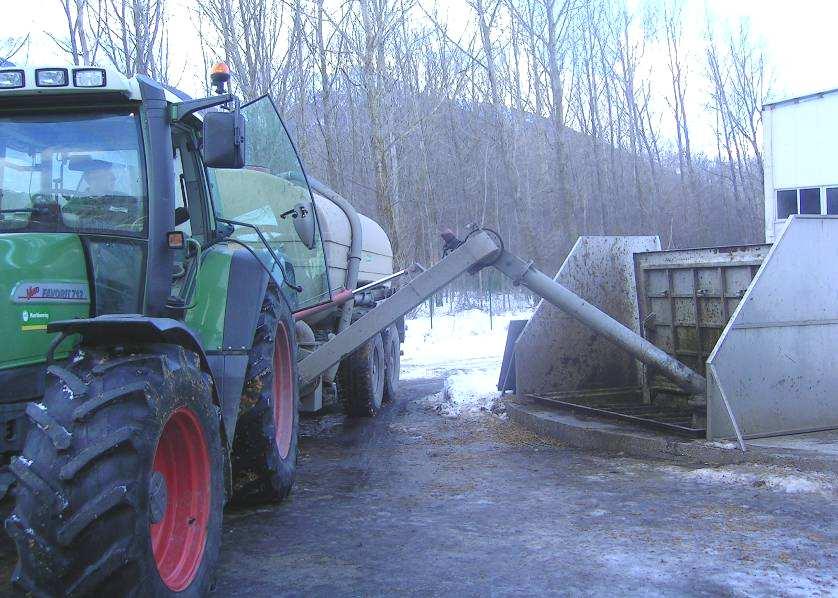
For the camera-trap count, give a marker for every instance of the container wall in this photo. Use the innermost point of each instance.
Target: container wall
(775, 361)
(686, 298)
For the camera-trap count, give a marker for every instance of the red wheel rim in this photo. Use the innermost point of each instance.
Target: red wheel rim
(179, 538)
(283, 391)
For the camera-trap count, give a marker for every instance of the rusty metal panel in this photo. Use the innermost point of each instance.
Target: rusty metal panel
(775, 360)
(687, 297)
(555, 352)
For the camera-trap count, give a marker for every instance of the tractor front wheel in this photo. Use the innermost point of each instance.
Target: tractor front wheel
(265, 448)
(120, 482)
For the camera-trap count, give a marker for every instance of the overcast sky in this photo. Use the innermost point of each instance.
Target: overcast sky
(798, 38)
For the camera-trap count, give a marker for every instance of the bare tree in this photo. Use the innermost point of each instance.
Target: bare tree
(678, 73)
(82, 41)
(249, 34)
(379, 21)
(326, 45)
(11, 46)
(540, 119)
(133, 36)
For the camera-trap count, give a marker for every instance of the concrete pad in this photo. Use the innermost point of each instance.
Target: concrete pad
(816, 443)
(809, 452)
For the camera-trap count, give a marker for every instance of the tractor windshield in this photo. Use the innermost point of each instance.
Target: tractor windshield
(78, 172)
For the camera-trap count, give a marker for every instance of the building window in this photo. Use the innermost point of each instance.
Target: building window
(806, 201)
(810, 201)
(832, 200)
(786, 203)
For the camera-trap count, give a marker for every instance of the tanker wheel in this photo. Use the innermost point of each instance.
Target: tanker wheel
(361, 379)
(265, 447)
(392, 362)
(120, 482)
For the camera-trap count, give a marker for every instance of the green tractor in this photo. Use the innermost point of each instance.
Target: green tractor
(163, 265)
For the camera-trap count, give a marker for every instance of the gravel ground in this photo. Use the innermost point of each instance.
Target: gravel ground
(414, 503)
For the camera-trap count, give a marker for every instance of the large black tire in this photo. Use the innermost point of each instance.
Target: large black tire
(361, 379)
(392, 362)
(123, 462)
(265, 447)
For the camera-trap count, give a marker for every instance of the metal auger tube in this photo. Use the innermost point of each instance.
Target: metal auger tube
(476, 252)
(542, 285)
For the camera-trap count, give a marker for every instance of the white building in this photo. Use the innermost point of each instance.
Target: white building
(801, 161)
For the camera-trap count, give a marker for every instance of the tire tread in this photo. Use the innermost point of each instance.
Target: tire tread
(58, 434)
(91, 511)
(112, 561)
(121, 436)
(73, 382)
(105, 398)
(27, 476)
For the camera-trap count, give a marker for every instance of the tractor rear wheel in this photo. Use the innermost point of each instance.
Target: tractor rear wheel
(361, 379)
(120, 482)
(265, 447)
(392, 362)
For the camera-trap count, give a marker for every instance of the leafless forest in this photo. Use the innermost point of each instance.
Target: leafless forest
(542, 119)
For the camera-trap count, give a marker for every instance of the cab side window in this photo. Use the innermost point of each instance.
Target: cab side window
(191, 203)
(182, 222)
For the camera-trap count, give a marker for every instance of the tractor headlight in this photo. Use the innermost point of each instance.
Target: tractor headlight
(51, 77)
(11, 79)
(89, 78)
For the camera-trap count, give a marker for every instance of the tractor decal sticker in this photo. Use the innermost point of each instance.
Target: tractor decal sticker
(34, 320)
(50, 292)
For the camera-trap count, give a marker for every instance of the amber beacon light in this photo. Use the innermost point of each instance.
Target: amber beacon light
(219, 76)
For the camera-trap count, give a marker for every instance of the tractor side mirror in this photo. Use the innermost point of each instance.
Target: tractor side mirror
(223, 145)
(304, 224)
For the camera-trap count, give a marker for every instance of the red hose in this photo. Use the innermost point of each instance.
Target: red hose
(339, 299)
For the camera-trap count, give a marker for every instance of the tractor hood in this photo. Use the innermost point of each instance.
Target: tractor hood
(43, 277)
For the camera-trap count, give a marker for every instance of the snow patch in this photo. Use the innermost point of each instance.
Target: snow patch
(465, 348)
(784, 582)
(468, 393)
(462, 341)
(792, 482)
(723, 445)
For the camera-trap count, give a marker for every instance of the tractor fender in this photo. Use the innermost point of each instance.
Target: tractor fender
(246, 285)
(101, 330)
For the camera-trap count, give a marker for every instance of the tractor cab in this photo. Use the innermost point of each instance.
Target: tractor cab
(153, 249)
(97, 171)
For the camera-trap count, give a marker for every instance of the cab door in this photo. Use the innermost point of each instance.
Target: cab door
(268, 193)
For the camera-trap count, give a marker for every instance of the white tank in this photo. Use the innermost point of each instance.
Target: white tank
(377, 255)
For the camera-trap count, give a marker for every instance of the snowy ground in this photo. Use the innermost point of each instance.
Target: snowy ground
(466, 349)
(781, 479)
